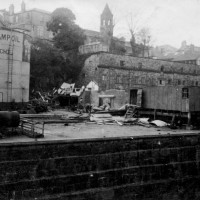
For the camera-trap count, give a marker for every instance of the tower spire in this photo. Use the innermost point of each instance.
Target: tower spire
(107, 12)
(106, 27)
(23, 6)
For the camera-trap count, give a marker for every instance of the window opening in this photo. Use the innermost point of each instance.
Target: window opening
(185, 93)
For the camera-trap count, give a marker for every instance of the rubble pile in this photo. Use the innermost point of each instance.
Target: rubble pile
(65, 96)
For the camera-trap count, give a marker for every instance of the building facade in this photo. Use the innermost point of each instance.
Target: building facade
(114, 72)
(103, 41)
(188, 58)
(33, 21)
(14, 66)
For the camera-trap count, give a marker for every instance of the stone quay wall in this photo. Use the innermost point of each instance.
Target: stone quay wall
(137, 168)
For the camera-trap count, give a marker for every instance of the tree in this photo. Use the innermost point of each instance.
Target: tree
(55, 62)
(134, 25)
(67, 35)
(144, 38)
(48, 66)
(140, 37)
(117, 46)
(136, 49)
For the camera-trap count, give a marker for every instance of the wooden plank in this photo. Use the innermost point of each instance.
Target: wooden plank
(191, 99)
(152, 102)
(149, 101)
(165, 99)
(196, 102)
(184, 102)
(158, 98)
(194, 99)
(179, 98)
(170, 97)
(174, 96)
(198, 99)
(139, 97)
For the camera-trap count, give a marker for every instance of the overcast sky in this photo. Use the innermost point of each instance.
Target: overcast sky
(170, 21)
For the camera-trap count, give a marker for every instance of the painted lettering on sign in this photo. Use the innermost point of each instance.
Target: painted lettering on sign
(8, 37)
(4, 51)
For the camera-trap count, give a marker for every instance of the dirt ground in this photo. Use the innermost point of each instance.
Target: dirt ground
(87, 130)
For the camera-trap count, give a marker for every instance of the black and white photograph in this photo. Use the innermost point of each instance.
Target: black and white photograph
(100, 100)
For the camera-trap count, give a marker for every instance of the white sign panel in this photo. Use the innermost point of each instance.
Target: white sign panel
(11, 42)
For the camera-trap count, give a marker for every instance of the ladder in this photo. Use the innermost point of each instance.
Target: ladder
(131, 111)
(10, 69)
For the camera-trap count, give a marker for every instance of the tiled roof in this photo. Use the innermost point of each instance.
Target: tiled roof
(183, 57)
(34, 9)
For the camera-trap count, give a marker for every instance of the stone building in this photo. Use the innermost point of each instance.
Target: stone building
(103, 40)
(188, 48)
(99, 41)
(189, 54)
(106, 29)
(119, 74)
(33, 20)
(188, 58)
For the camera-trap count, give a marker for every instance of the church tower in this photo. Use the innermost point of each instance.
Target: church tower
(23, 7)
(106, 27)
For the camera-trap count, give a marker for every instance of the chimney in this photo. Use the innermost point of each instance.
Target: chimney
(11, 9)
(23, 7)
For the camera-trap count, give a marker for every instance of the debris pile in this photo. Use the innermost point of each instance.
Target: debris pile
(37, 106)
(66, 95)
(108, 119)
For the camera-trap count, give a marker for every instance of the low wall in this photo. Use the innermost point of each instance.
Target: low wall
(139, 168)
(121, 97)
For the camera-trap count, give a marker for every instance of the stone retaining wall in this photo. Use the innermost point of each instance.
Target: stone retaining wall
(140, 168)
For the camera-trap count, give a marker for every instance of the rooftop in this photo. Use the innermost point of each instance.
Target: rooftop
(34, 9)
(107, 11)
(187, 56)
(92, 33)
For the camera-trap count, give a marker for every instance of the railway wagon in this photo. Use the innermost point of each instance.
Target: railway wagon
(169, 101)
(179, 98)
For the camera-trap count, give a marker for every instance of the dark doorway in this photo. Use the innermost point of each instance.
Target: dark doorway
(100, 101)
(133, 97)
(136, 97)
